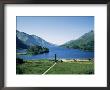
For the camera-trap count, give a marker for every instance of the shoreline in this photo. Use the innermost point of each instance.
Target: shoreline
(62, 60)
(76, 60)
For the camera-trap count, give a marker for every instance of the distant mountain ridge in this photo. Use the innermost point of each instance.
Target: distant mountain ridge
(85, 42)
(31, 40)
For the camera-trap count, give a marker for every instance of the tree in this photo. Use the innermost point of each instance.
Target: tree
(37, 50)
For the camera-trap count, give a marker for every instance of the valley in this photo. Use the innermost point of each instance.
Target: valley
(35, 55)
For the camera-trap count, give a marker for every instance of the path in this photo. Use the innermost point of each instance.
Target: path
(49, 69)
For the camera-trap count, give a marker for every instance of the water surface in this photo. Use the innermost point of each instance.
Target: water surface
(64, 53)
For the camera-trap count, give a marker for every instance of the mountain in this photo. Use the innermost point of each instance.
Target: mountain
(32, 40)
(85, 42)
(20, 44)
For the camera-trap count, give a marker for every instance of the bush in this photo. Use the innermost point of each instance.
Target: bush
(19, 61)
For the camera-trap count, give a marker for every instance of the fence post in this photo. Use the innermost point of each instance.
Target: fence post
(55, 58)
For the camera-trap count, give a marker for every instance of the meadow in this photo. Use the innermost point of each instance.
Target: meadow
(40, 66)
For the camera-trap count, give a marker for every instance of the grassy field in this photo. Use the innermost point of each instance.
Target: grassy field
(33, 67)
(73, 68)
(40, 66)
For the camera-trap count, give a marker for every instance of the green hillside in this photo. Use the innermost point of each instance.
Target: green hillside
(85, 42)
(20, 44)
(31, 43)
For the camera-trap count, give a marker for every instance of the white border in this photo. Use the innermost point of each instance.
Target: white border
(99, 79)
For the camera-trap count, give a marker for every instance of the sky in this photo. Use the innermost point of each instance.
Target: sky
(55, 29)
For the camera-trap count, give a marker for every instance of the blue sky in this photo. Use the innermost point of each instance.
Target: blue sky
(55, 29)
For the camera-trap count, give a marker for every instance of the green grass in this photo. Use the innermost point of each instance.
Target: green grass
(40, 66)
(33, 67)
(72, 68)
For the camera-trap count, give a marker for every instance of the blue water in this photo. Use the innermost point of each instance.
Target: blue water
(60, 52)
